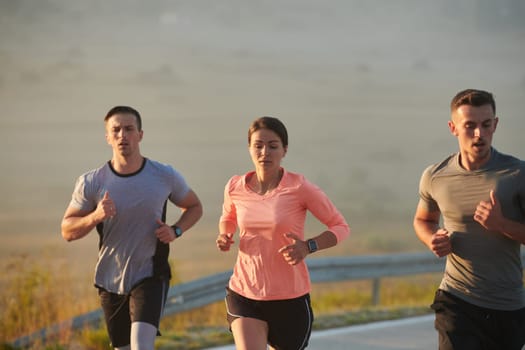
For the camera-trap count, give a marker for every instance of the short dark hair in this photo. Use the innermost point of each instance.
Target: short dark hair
(124, 110)
(270, 123)
(472, 97)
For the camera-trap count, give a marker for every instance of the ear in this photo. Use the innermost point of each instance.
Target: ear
(496, 120)
(452, 128)
(285, 151)
(141, 134)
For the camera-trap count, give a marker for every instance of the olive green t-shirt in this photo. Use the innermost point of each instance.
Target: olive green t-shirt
(484, 267)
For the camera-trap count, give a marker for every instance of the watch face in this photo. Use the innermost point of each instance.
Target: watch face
(312, 245)
(178, 231)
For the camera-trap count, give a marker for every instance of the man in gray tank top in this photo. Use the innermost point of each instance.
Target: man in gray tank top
(479, 193)
(125, 200)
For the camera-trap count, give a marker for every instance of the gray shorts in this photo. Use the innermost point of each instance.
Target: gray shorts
(144, 303)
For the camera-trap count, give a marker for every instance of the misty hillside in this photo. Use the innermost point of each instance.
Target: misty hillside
(363, 87)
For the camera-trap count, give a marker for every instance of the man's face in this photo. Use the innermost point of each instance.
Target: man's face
(122, 134)
(474, 128)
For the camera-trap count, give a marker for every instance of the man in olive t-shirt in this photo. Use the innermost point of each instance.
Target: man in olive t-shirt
(479, 193)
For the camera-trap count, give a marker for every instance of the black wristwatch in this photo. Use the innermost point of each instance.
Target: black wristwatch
(312, 245)
(177, 230)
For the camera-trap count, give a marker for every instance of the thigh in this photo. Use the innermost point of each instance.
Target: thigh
(512, 325)
(460, 325)
(289, 323)
(147, 300)
(249, 333)
(245, 316)
(116, 314)
(238, 306)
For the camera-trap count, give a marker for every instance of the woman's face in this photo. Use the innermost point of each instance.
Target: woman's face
(266, 150)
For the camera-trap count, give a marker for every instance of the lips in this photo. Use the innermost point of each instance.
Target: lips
(479, 143)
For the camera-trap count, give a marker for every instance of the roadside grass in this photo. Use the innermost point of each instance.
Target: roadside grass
(38, 294)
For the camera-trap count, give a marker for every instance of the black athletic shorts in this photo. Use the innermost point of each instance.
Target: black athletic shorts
(289, 321)
(144, 304)
(463, 326)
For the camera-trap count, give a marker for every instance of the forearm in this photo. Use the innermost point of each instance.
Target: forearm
(76, 227)
(189, 217)
(513, 230)
(325, 240)
(227, 227)
(425, 230)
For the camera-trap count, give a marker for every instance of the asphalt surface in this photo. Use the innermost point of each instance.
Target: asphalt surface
(409, 333)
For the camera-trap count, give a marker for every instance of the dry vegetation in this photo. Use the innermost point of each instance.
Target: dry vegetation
(35, 296)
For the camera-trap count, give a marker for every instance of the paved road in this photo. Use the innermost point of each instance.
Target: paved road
(409, 333)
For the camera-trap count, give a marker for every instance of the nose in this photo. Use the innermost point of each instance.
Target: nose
(265, 150)
(477, 132)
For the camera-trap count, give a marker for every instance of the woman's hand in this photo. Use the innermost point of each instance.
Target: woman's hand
(294, 253)
(224, 241)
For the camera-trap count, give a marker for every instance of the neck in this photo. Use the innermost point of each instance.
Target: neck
(473, 163)
(264, 182)
(127, 165)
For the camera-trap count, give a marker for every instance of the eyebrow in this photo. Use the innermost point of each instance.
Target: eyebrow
(482, 121)
(262, 141)
(123, 125)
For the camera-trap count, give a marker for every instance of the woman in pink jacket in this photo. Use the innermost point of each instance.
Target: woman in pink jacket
(268, 301)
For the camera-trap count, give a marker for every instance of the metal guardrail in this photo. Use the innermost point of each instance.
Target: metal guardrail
(207, 290)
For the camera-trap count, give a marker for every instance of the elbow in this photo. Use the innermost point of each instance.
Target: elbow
(419, 223)
(339, 233)
(344, 234)
(68, 237)
(200, 211)
(67, 234)
(197, 211)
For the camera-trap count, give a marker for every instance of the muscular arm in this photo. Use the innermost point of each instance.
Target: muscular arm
(191, 208)
(77, 223)
(512, 229)
(426, 225)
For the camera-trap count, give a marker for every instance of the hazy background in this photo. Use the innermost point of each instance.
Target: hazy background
(363, 87)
